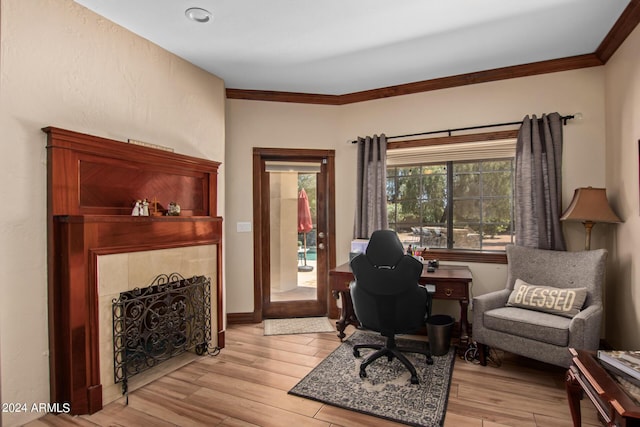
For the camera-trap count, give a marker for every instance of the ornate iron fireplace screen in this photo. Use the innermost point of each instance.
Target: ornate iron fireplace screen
(154, 324)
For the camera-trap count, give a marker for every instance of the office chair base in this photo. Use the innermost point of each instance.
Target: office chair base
(390, 350)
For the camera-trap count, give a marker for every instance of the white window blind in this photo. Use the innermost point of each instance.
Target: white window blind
(300, 167)
(495, 149)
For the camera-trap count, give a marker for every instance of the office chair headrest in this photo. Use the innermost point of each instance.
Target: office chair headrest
(385, 249)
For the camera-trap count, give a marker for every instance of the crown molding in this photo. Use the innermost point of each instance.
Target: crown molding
(543, 67)
(275, 96)
(524, 70)
(620, 31)
(625, 24)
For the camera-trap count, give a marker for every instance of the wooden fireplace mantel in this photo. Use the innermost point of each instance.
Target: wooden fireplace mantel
(92, 185)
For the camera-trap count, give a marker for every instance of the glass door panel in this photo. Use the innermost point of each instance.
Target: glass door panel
(296, 247)
(293, 236)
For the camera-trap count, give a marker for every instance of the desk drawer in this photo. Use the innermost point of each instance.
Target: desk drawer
(340, 284)
(453, 290)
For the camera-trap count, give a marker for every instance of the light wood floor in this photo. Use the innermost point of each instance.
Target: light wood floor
(247, 385)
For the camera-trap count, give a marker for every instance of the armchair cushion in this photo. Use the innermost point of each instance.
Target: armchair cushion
(530, 324)
(565, 302)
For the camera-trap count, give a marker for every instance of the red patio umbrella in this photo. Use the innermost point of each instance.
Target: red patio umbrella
(305, 224)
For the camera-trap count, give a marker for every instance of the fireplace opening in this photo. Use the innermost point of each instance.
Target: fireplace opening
(156, 323)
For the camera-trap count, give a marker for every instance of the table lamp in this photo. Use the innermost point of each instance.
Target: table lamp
(589, 206)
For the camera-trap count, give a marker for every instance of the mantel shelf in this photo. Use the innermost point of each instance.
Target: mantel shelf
(133, 219)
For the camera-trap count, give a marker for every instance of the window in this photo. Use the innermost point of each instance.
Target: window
(464, 205)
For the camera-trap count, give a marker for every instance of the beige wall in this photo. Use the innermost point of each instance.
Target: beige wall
(64, 66)
(262, 124)
(256, 123)
(622, 85)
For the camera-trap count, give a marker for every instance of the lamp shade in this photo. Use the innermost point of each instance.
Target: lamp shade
(590, 205)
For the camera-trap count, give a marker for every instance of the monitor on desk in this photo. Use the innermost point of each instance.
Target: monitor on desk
(358, 246)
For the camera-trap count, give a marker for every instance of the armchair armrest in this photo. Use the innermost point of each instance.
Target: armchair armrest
(482, 303)
(584, 329)
(587, 314)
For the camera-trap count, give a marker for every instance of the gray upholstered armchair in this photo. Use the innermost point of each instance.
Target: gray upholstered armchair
(545, 314)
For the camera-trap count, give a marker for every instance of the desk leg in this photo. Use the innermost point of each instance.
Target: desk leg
(463, 338)
(574, 395)
(347, 314)
(464, 321)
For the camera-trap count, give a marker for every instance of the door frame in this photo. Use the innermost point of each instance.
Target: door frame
(261, 259)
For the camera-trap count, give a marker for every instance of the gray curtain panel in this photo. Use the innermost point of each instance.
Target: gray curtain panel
(371, 183)
(538, 183)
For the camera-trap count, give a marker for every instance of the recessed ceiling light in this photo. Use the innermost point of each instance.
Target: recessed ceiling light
(197, 14)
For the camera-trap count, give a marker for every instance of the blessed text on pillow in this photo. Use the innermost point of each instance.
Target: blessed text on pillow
(562, 301)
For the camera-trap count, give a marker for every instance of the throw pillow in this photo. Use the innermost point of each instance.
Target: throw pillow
(561, 301)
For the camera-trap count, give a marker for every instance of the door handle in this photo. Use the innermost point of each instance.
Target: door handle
(321, 235)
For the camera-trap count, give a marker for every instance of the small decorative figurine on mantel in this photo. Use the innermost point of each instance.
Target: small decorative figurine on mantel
(173, 209)
(137, 207)
(145, 208)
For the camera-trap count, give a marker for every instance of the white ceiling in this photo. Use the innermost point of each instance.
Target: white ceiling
(344, 46)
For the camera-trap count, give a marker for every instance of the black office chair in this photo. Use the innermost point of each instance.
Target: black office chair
(387, 298)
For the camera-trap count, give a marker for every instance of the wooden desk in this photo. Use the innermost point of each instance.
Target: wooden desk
(587, 376)
(451, 282)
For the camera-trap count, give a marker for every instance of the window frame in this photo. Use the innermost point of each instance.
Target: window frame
(460, 255)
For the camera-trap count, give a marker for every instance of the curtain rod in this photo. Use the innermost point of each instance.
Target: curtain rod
(563, 118)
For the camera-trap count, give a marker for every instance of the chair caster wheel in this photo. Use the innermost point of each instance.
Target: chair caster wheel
(356, 353)
(429, 361)
(363, 373)
(414, 380)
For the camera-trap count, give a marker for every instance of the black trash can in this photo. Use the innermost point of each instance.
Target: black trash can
(439, 328)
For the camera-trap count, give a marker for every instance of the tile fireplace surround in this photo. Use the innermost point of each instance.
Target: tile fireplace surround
(123, 272)
(96, 249)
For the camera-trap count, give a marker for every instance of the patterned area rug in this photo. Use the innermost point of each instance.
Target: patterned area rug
(302, 325)
(386, 392)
